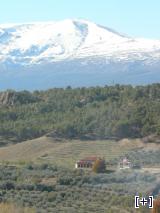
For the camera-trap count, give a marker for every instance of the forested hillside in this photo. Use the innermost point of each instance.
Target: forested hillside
(95, 112)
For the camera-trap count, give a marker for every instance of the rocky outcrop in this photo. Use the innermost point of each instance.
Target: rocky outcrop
(7, 98)
(11, 97)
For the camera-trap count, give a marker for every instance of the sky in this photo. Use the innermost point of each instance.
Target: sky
(137, 18)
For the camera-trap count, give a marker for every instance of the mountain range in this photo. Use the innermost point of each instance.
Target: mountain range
(74, 52)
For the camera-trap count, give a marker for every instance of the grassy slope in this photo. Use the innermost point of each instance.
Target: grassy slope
(65, 153)
(10, 208)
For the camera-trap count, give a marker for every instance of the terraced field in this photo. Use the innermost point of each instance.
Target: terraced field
(65, 153)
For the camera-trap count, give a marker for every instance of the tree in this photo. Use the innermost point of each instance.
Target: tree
(99, 166)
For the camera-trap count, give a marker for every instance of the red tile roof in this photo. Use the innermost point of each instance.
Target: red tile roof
(88, 159)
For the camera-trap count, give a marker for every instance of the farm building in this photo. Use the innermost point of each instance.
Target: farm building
(87, 162)
(125, 164)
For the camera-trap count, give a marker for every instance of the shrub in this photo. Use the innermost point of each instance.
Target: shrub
(156, 206)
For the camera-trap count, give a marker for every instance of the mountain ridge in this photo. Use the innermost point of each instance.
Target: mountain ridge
(73, 49)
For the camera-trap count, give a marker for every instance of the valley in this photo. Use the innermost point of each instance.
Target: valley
(44, 133)
(40, 174)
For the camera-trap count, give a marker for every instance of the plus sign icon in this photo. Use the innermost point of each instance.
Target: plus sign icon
(143, 202)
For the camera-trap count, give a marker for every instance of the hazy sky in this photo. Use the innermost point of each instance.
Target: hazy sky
(139, 18)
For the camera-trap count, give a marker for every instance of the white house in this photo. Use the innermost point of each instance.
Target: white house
(125, 164)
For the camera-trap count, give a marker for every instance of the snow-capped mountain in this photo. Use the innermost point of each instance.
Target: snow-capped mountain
(76, 53)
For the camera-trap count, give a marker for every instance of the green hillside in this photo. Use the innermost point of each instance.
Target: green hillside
(82, 113)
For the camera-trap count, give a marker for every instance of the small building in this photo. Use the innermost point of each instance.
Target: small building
(125, 164)
(86, 163)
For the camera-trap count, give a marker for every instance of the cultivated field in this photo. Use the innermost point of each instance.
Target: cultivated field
(29, 177)
(66, 153)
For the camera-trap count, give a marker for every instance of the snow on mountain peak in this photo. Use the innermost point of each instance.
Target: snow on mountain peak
(73, 52)
(68, 39)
